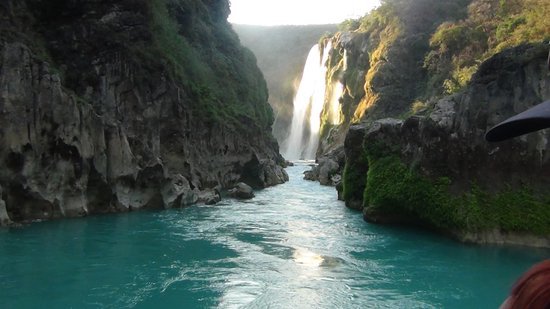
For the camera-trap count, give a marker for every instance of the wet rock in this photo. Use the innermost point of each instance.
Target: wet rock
(356, 166)
(178, 193)
(312, 174)
(241, 191)
(209, 196)
(323, 172)
(328, 169)
(272, 174)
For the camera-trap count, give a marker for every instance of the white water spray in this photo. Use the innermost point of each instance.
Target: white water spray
(335, 107)
(308, 104)
(337, 92)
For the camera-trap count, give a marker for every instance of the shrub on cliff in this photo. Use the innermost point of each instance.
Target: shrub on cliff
(205, 55)
(457, 48)
(397, 35)
(397, 192)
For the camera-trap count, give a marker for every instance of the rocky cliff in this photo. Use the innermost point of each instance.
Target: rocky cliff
(380, 63)
(435, 168)
(121, 105)
(375, 68)
(420, 91)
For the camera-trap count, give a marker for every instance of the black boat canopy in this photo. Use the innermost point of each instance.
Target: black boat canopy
(533, 119)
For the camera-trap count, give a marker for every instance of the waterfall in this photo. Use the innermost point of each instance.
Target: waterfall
(308, 104)
(345, 59)
(337, 92)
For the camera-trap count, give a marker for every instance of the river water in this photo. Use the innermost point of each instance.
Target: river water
(293, 246)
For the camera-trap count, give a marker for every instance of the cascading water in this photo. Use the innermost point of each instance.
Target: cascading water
(334, 107)
(308, 104)
(337, 92)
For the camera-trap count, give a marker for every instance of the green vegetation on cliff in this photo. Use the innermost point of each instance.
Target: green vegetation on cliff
(186, 42)
(206, 56)
(450, 70)
(394, 190)
(422, 49)
(354, 179)
(457, 48)
(386, 72)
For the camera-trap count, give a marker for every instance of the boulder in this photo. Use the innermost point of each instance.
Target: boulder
(312, 174)
(177, 192)
(209, 196)
(241, 191)
(328, 169)
(271, 173)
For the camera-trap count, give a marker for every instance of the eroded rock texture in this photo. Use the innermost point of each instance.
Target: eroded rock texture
(449, 141)
(95, 117)
(435, 168)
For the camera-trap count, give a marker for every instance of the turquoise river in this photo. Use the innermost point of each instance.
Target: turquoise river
(293, 246)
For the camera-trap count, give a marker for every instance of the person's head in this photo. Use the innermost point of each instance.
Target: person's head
(532, 290)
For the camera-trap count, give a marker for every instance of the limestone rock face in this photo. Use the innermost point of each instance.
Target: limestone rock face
(355, 167)
(241, 191)
(209, 196)
(328, 170)
(4, 217)
(448, 143)
(87, 126)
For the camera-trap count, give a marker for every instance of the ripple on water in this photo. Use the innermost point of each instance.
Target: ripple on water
(293, 245)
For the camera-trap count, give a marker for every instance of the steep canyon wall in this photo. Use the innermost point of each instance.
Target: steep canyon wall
(421, 88)
(121, 105)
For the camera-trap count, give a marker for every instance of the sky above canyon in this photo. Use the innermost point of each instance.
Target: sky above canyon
(297, 12)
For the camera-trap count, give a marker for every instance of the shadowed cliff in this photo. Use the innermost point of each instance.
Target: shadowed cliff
(121, 105)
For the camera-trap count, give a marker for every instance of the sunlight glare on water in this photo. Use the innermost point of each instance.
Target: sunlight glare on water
(292, 246)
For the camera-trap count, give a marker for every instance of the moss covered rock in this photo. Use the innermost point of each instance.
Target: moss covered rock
(436, 169)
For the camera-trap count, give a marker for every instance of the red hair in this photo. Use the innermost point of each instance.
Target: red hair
(532, 290)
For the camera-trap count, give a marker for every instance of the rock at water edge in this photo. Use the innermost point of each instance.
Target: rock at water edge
(242, 191)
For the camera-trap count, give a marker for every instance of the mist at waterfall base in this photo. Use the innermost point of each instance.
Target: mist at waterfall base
(309, 101)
